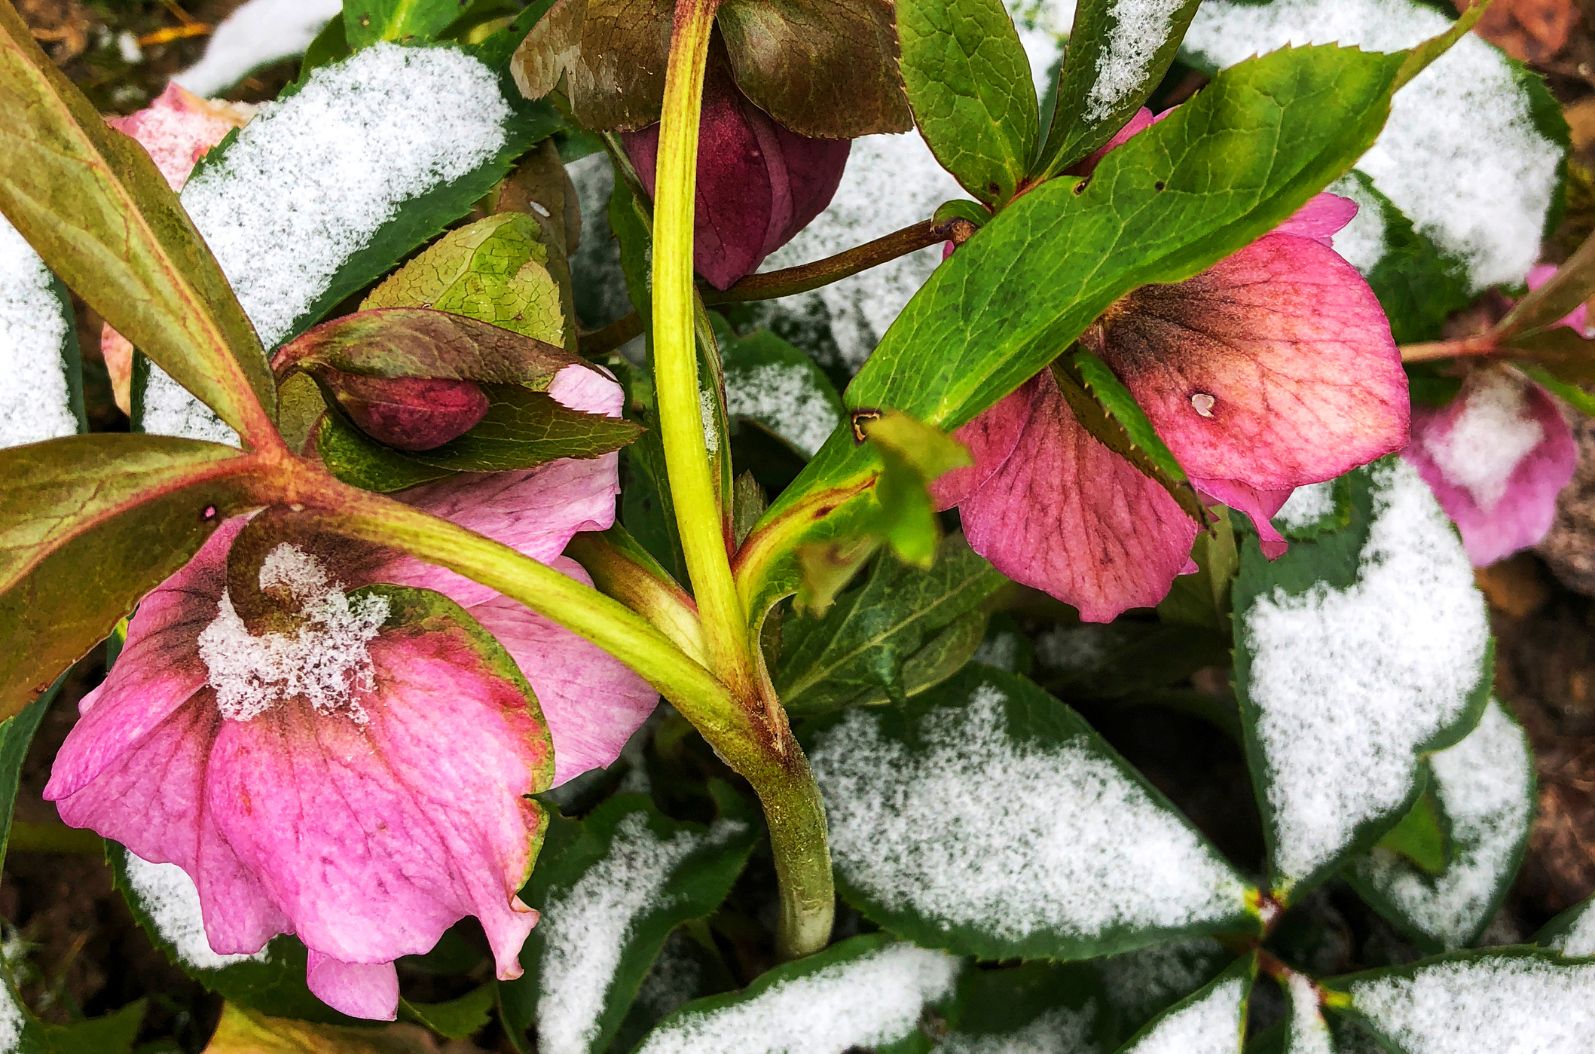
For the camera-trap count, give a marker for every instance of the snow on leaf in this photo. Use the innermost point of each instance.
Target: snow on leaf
(1485, 785)
(1209, 1023)
(256, 34)
(1307, 507)
(1309, 1032)
(168, 898)
(1356, 651)
(988, 818)
(35, 332)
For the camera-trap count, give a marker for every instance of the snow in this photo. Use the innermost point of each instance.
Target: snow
(326, 660)
(35, 400)
(256, 34)
(891, 182)
(1508, 1004)
(1579, 940)
(1140, 27)
(585, 928)
(1056, 1031)
(1307, 506)
(868, 1001)
(785, 398)
(1460, 155)
(1485, 786)
(1362, 242)
(976, 828)
(1309, 1032)
(12, 1019)
(360, 139)
(170, 900)
(1211, 1025)
(1488, 440)
(1349, 683)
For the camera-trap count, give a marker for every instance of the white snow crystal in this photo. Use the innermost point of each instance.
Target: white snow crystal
(1211, 1025)
(326, 660)
(976, 828)
(585, 928)
(1510, 1005)
(1362, 242)
(1460, 156)
(1140, 27)
(168, 897)
(1350, 682)
(1484, 787)
(1579, 940)
(1307, 506)
(864, 1002)
(786, 399)
(256, 34)
(1309, 1032)
(1488, 440)
(35, 402)
(1057, 1031)
(312, 179)
(12, 1020)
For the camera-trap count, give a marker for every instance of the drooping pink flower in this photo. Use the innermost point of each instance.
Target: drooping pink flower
(759, 183)
(345, 771)
(1496, 457)
(1272, 369)
(177, 129)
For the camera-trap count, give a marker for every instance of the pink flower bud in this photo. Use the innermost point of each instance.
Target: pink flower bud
(407, 413)
(758, 183)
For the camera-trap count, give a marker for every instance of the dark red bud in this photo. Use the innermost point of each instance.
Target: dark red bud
(758, 183)
(408, 413)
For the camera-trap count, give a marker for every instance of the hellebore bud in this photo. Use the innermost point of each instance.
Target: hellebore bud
(758, 183)
(407, 413)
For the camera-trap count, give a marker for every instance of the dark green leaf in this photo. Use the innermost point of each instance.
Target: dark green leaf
(1109, 71)
(15, 735)
(1206, 1019)
(457, 1018)
(1036, 1006)
(112, 1034)
(366, 22)
(89, 525)
(968, 81)
(1422, 838)
(1124, 658)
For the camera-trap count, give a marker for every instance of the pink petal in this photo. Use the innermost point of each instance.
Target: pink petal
(368, 990)
(1272, 369)
(1496, 457)
(1578, 318)
(178, 128)
(1320, 219)
(990, 440)
(591, 701)
(1259, 505)
(588, 389)
(1072, 518)
(375, 839)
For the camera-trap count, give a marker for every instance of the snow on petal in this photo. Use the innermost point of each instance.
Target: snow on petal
(1063, 513)
(1497, 457)
(35, 396)
(178, 128)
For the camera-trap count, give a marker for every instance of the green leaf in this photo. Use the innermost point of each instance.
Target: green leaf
(16, 734)
(366, 22)
(541, 187)
(915, 455)
(986, 818)
(89, 525)
(968, 81)
(903, 631)
(1207, 1020)
(612, 888)
(114, 1033)
(1202, 599)
(863, 992)
(1485, 790)
(1109, 70)
(1124, 659)
(1383, 617)
(457, 1018)
(1422, 838)
(1035, 1006)
(103, 218)
(779, 388)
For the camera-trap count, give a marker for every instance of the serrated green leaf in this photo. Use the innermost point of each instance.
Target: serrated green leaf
(987, 818)
(409, 21)
(114, 1033)
(16, 733)
(612, 888)
(88, 525)
(1109, 71)
(886, 640)
(969, 84)
(457, 1018)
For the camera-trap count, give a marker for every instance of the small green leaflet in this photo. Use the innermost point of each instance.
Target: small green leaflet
(612, 888)
(407, 21)
(974, 819)
(969, 84)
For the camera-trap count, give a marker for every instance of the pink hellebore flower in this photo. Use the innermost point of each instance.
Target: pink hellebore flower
(177, 128)
(759, 184)
(359, 780)
(1272, 369)
(1498, 455)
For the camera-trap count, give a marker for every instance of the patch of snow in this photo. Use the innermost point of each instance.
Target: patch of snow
(1211, 1025)
(711, 434)
(1350, 682)
(1579, 940)
(1362, 242)
(1307, 506)
(787, 399)
(256, 34)
(1517, 1005)
(1485, 787)
(1460, 156)
(869, 1001)
(976, 828)
(170, 900)
(35, 400)
(1309, 1032)
(1488, 440)
(12, 1020)
(1140, 28)
(1056, 1031)
(585, 928)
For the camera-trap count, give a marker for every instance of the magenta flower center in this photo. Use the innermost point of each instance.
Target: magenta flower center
(325, 660)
